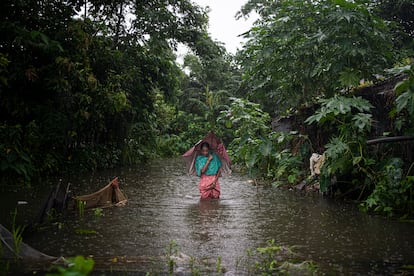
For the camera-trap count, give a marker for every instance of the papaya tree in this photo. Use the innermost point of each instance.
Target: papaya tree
(299, 50)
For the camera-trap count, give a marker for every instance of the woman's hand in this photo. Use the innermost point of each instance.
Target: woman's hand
(210, 157)
(213, 185)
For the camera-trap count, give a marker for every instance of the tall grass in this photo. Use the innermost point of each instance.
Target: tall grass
(17, 232)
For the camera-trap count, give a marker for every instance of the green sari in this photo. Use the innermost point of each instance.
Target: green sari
(212, 168)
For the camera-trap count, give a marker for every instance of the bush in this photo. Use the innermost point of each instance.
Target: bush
(381, 183)
(393, 192)
(349, 119)
(262, 152)
(16, 160)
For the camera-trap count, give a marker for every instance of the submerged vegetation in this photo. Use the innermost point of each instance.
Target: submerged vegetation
(77, 266)
(87, 85)
(270, 259)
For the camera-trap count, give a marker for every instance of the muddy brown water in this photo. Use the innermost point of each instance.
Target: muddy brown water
(164, 206)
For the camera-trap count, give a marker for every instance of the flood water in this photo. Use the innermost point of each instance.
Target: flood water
(164, 206)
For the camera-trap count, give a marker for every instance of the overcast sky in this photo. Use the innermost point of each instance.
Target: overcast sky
(223, 25)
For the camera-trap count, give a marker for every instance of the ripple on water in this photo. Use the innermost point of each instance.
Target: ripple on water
(164, 206)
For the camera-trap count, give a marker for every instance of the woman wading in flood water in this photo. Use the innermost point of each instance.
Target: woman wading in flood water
(208, 168)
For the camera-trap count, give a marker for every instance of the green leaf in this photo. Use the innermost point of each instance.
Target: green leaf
(399, 70)
(291, 178)
(349, 77)
(266, 148)
(251, 160)
(362, 121)
(406, 101)
(356, 160)
(401, 87)
(336, 147)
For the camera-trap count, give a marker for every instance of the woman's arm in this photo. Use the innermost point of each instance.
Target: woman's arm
(213, 184)
(203, 170)
(218, 174)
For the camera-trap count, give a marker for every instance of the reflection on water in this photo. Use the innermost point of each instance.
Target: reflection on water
(164, 205)
(205, 216)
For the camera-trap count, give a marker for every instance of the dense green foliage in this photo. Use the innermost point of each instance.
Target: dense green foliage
(404, 109)
(262, 151)
(307, 55)
(80, 80)
(299, 50)
(349, 122)
(352, 166)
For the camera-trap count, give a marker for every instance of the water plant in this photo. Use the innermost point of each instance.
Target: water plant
(85, 231)
(81, 207)
(98, 212)
(273, 259)
(17, 232)
(237, 263)
(195, 271)
(4, 268)
(77, 266)
(4, 265)
(170, 251)
(268, 262)
(218, 265)
(171, 264)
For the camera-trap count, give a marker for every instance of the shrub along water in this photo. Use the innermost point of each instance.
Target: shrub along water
(301, 54)
(264, 153)
(383, 183)
(379, 182)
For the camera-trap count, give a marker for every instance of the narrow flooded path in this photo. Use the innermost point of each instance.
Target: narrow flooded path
(164, 206)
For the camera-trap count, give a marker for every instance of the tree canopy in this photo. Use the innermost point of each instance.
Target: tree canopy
(78, 78)
(299, 50)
